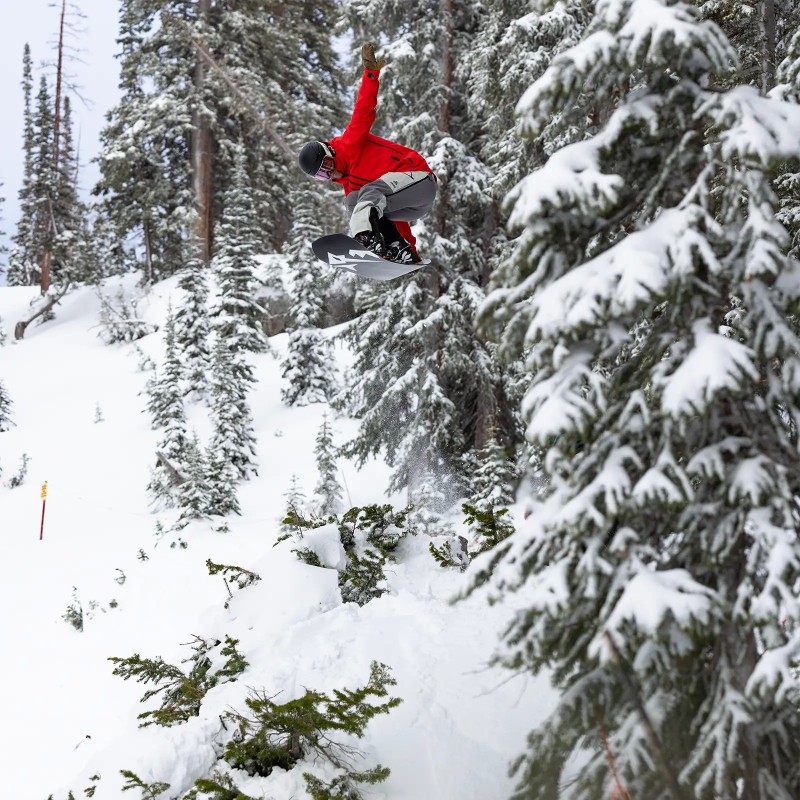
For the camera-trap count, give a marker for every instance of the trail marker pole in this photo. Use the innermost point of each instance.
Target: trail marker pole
(44, 503)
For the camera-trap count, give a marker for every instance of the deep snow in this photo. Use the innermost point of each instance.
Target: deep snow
(67, 718)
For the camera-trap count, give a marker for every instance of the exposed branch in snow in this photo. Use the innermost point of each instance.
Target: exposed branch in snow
(46, 305)
(176, 476)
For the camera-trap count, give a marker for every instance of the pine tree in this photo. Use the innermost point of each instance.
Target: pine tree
(165, 404)
(238, 320)
(43, 187)
(73, 256)
(788, 183)
(426, 388)
(328, 488)
(144, 161)
(5, 409)
(308, 366)
(667, 414)
(193, 327)
(233, 441)
(21, 261)
(221, 479)
(295, 506)
(760, 31)
(197, 80)
(193, 492)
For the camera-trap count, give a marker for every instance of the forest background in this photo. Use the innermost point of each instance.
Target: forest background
(608, 332)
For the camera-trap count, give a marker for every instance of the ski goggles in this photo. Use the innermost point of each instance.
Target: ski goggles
(327, 166)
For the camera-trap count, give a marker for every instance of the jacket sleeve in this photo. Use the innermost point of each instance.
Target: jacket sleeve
(404, 229)
(363, 113)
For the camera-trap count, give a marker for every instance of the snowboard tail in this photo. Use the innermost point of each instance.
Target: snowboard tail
(346, 253)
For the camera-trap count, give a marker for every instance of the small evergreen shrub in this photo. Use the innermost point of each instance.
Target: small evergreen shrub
(294, 522)
(343, 786)
(181, 692)
(19, 478)
(363, 579)
(218, 787)
(448, 554)
(384, 527)
(149, 791)
(281, 735)
(308, 556)
(239, 576)
(488, 524)
(74, 613)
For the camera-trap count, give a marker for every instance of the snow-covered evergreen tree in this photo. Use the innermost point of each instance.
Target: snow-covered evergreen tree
(425, 387)
(661, 568)
(5, 409)
(233, 440)
(193, 492)
(73, 255)
(21, 267)
(223, 73)
(165, 405)
(238, 320)
(295, 502)
(221, 483)
(193, 327)
(508, 53)
(308, 366)
(788, 183)
(759, 31)
(328, 488)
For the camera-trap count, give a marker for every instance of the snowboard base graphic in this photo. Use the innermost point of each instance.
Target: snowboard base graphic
(346, 253)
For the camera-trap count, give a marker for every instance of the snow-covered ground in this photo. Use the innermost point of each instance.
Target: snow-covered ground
(79, 414)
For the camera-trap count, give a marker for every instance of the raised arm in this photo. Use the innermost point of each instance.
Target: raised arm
(366, 101)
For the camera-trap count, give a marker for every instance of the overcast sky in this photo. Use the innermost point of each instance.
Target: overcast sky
(96, 74)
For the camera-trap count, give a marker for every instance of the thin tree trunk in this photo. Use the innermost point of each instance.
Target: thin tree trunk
(148, 250)
(768, 55)
(22, 325)
(47, 256)
(202, 159)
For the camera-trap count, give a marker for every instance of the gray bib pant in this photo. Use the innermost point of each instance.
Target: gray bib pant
(403, 196)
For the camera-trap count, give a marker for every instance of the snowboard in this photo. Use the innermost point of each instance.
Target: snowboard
(346, 253)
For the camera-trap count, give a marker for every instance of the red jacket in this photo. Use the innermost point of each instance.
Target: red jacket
(364, 158)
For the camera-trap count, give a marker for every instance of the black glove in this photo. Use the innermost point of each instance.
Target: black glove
(368, 57)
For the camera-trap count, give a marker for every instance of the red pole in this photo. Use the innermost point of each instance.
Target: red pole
(44, 503)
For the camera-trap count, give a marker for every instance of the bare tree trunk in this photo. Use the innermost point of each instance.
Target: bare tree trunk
(46, 305)
(47, 256)
(202, 157)
(446, 111)
(768, 54)
(148, 250)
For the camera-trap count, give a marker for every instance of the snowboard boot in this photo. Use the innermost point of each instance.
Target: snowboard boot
(372, 242)
(397, 248)
(401, 252)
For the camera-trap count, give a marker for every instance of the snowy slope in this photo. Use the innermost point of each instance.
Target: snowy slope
(67, 718)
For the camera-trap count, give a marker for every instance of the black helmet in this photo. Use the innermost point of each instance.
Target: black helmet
(317, 159)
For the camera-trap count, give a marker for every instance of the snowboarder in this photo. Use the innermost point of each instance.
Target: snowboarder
(386, 185)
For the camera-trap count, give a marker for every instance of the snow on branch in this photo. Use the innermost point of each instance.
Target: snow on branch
(713, 365)
(754, 128)
(635, 271)
(650, 35)
(650, 597)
